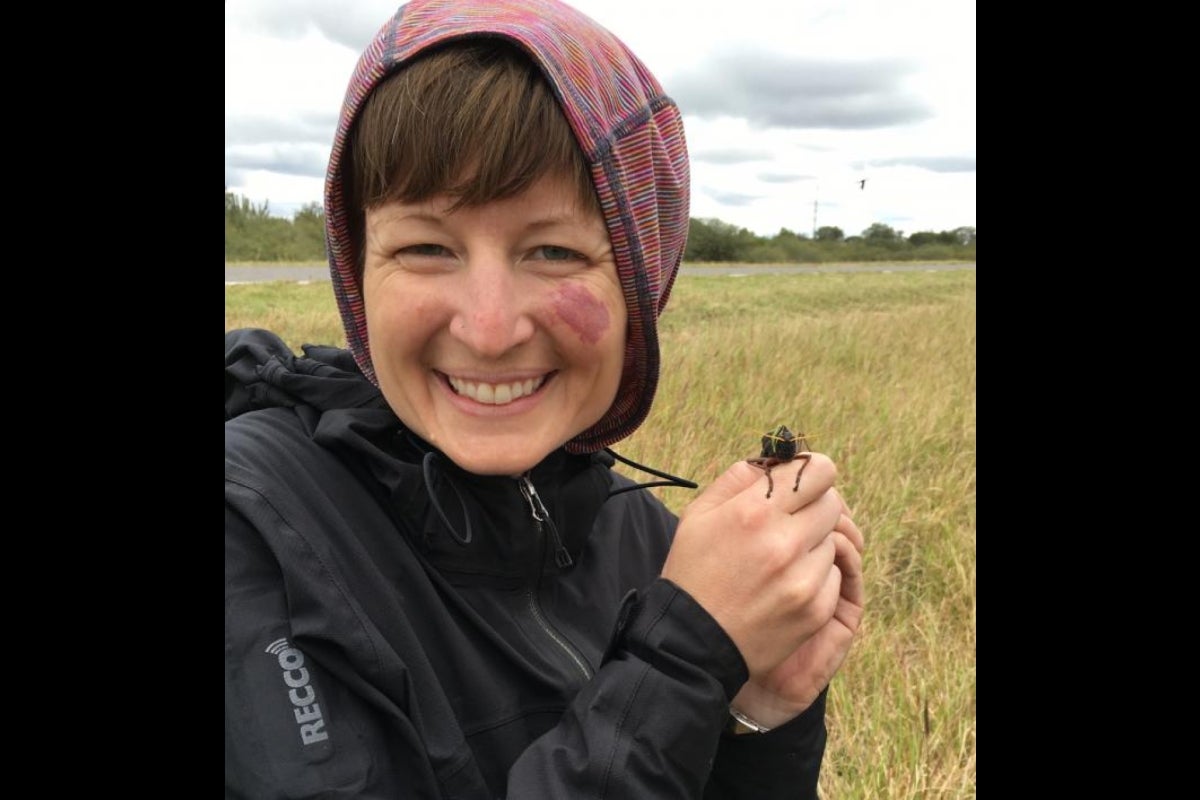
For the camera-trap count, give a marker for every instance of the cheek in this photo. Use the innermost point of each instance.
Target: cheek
(396, 308)
(400, 325)
(582, 312)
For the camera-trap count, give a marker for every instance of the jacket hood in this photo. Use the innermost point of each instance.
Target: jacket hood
(262, 372)
(631, 135)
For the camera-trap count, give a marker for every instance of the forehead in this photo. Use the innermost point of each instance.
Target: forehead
(551, 201)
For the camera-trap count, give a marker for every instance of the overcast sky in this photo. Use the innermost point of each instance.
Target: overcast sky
(787, 104)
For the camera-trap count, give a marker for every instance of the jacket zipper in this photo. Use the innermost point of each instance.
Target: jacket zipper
(541, 517)
(542, 521)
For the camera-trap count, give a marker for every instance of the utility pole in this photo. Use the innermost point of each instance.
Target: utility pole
(816, 194)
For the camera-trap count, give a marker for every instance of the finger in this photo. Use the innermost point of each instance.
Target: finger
(820, 586)
(841, 597)
(846, 526)
(804, 579)
(727, 485)
(848, 561)
(817, 474)
(845, 508)
(815, 522)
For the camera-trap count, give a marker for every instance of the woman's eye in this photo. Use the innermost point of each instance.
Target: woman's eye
(423, 250)
(552, 252)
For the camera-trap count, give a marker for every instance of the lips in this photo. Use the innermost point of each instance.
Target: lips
(495, 394)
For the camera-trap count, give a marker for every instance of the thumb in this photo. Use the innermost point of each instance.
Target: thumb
(729, 483)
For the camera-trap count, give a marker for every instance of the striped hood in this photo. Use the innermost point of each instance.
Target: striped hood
(631, 135)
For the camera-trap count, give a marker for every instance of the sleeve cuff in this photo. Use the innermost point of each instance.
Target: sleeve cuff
(667, 628)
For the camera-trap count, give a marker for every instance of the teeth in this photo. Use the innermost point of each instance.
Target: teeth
(495, 394)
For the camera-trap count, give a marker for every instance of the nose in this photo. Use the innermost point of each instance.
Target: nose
(492, 313)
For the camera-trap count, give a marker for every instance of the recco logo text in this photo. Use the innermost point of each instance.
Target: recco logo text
(300, 692)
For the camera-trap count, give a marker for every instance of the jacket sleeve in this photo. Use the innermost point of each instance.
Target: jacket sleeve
(784, 762)
(292, 729)
(650, 722)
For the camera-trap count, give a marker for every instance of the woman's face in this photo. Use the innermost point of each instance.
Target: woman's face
(497, 332)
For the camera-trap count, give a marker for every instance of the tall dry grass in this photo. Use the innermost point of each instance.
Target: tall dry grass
(879, 371)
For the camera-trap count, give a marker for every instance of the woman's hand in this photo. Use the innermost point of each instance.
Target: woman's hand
(781, 575)
(794, 685)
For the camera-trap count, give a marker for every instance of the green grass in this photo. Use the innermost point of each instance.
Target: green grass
(879, 371)
(299, 313)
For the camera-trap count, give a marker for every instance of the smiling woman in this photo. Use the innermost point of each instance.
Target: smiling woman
(482, 230)
(464, 302)
(428, 522)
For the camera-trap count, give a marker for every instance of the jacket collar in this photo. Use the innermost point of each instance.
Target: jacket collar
(466, 524)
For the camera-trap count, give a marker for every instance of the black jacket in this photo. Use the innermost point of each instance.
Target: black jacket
(383, 639)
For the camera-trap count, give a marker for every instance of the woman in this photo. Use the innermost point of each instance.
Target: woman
(436, 585)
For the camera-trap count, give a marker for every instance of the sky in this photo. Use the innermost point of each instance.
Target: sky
(788, 105)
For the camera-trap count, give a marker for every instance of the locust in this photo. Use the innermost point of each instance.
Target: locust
(779, 447)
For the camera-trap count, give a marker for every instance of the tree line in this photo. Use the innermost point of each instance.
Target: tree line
(252, 233)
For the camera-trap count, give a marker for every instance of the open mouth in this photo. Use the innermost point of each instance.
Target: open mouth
(496, 394)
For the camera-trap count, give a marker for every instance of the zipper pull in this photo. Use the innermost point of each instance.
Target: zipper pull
(540, 515)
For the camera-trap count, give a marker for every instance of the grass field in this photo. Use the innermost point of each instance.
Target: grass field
(879, 371)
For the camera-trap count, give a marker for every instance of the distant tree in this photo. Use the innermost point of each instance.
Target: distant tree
(787, 247)
(311, 212)
(965, 235)
(830, 233)
(922, 238)
(253, 234)
(713, 240)
(308, 226)
(239, 210)
(785, 233)
(879, 233)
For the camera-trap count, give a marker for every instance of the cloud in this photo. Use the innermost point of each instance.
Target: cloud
(781, 91)
(234, 177)
(731, 155)
(349, 24)
(931, 163)
(730, 198)
(783, 177)
(304, 127)
(304, 160)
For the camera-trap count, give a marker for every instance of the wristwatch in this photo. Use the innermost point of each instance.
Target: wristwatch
(740, 723)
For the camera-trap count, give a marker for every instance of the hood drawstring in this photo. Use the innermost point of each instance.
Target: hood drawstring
(426, 467)
(541, 515)
(671, 480)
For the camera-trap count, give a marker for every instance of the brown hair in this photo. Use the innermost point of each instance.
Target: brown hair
(473, 119)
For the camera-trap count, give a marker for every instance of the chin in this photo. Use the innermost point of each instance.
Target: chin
(496, 458)
(495, 466)
(498, 449)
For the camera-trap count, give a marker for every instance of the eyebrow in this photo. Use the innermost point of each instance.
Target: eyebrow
(559, 219)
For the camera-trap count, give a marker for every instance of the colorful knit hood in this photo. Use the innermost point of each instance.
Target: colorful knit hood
(631, 135)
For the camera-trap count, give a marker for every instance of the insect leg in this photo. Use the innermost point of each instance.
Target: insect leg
(765, 464)
(806, 457)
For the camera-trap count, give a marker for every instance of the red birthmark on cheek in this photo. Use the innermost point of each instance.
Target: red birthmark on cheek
(580, 309)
